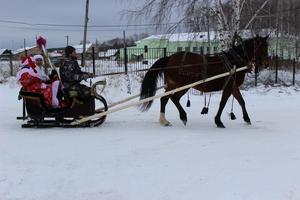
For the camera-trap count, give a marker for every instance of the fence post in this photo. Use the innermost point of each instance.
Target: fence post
(125, 60)
(11, 64)
(276, 69)
(94, 69)
(82, 59)
(165, 52)
(294, 71)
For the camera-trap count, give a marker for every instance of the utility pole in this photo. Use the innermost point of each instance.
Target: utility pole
(296, 28)
(67, 39)
(85, 31)
(25, 49)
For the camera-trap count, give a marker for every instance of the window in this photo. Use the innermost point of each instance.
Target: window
(201, 50)
(195, 49)
(187, 49)
(179, 49)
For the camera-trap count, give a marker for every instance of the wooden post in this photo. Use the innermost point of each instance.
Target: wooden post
(165, 52)
(11, 64)
(86, 19)
(94, 69)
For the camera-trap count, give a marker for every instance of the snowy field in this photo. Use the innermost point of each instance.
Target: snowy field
(131, 157)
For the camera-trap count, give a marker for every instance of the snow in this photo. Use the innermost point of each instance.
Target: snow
(79, 48)
(22, 49)
(108, 53)
(202, 36)
(132, 157)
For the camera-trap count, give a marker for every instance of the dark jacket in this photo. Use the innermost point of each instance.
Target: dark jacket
(71, 74)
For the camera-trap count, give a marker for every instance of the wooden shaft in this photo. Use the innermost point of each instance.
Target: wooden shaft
(171, 92)
(124, 100)
(49, 61)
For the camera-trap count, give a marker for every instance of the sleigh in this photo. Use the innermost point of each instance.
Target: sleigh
(40, 115)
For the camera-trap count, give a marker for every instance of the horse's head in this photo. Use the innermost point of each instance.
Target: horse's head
(261, 51)
(257, 49)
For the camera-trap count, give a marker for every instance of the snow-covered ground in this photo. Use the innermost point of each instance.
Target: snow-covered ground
(131, 157)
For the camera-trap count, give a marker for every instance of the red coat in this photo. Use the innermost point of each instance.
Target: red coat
(32, 83)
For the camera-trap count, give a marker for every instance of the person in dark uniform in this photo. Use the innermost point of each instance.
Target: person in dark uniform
(71, 75)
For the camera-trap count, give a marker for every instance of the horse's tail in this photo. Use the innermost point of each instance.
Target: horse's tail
(149, 84)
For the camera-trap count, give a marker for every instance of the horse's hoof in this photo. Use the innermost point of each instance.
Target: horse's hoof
(247, 120)
(249, 123)
(220, 125)
(184, 122)
(165, 123)
(168, 124)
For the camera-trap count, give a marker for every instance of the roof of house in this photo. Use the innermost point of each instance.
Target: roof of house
(2, 51)
(55, 54)
(79, 48)
(200, 36)
(22, 49)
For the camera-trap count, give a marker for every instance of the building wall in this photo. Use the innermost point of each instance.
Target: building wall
(286, 48)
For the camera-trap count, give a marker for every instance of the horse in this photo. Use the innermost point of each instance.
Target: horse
(183, 68)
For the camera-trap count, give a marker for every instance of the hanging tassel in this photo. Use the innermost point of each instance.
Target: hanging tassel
(232, 115)
(188, 103)
(206, 110)
(203, 112)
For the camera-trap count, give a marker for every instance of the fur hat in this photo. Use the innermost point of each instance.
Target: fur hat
(36, 57)
(69, 50)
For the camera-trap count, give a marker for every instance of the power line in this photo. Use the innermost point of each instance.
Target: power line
(72, 30)
(108, 26)
(90, 26)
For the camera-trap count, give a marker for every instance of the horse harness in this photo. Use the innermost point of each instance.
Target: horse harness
(203, 72)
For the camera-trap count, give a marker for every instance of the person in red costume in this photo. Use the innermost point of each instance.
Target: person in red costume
(32, 82)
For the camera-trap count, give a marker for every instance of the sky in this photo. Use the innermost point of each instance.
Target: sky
(63, 12)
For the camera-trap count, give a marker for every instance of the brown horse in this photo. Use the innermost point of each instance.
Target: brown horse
(183, 68)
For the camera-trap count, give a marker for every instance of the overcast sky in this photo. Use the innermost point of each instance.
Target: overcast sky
(101, 12)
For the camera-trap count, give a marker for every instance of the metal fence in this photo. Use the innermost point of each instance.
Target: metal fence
(131, 59)
(135, 59)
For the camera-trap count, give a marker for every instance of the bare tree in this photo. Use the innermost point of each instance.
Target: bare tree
(224, 16)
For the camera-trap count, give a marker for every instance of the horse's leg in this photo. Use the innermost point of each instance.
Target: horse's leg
(176, 98)
(237, 94)
(226, 94)
(162, 119)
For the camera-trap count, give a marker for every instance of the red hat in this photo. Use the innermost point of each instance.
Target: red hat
(28, 61)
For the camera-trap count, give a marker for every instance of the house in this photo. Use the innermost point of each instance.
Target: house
(89, 50)
(152, 46)
(19, 53)
(110, 54)
(5, 54)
